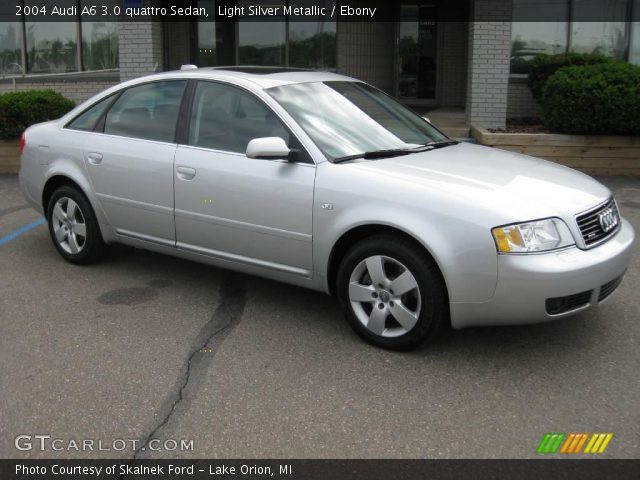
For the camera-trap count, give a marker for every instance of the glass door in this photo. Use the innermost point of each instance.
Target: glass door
(417, 53)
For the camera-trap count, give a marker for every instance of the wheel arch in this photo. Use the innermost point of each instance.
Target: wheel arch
(55, 182)
(60, 179)
(349, 238)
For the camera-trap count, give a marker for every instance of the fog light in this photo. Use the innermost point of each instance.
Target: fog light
(556, 305)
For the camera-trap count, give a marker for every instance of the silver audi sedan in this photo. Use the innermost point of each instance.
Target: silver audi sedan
(322, 181)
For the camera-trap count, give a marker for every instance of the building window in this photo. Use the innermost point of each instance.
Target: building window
(10, 48)
(312, 45)
(262, 43)
(278, 42)
(52, 47)
(562, 32)
(532, 37)
(207, 38)
(58, 47)
(634, 54)
(607, 38)
(634, 44)
(417, 52)
(99, 43)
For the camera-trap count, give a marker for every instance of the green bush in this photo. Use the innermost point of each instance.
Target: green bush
(18, 110)
(593, 99)
(543, 66)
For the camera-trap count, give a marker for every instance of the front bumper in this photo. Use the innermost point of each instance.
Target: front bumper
(525, 282)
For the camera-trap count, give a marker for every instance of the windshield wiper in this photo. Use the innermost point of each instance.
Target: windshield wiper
(396, 152)
(441, 143)
(375, 154)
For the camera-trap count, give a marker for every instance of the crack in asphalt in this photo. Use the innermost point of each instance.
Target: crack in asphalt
(225, 317)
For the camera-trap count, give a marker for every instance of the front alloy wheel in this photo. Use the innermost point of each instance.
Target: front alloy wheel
(392, 292)
(384, 296)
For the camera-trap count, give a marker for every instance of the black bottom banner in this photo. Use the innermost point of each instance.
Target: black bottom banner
(320, 469)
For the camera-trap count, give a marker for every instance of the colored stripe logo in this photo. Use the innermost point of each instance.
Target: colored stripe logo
(574, 443)
(598, 443)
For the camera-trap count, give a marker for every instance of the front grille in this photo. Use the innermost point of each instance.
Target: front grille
(594, 228)
(559, 305)
(609, 287)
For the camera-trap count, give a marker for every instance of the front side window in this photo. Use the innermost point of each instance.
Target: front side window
(351, 118)
(148, 111)
(227, 118)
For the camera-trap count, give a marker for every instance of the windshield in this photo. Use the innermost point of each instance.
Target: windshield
(352, 118)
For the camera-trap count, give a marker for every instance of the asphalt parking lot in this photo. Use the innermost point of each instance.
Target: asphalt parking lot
(147, 346)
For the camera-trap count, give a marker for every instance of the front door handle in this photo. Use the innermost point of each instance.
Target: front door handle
(186, 173)
(95, 158)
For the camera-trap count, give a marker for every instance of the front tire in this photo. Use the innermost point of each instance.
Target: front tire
(73, 227)
(392, 293)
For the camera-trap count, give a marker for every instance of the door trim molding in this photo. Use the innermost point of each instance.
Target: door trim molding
(135, 203)
(226, 222)
(146, 238)
(300, 272)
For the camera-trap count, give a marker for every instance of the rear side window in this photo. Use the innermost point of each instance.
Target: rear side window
(148, 111)
(87, 120)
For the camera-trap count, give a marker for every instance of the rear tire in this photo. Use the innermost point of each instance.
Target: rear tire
(392, 293)
(73, 227)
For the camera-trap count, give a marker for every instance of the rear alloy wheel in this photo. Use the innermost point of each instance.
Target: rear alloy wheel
(73, 227)
(391, 292)
(69, 225)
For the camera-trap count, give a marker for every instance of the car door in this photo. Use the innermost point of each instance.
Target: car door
(256, 212)
(130, 164)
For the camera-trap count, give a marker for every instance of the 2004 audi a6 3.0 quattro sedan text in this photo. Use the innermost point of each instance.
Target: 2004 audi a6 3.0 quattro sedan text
(322, 181)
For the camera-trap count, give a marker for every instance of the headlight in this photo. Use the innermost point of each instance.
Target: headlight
(535, 236)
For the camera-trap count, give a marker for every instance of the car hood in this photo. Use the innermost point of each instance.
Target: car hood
(503, 181)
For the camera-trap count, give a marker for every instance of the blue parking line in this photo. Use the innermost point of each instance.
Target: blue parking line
(16, 233)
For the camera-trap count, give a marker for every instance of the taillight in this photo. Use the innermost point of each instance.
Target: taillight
(23, 142)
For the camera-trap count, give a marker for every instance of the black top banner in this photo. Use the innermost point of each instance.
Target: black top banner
(320, 469)
(314, 10)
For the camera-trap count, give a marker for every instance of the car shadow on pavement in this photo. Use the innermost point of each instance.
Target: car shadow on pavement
(559, 340)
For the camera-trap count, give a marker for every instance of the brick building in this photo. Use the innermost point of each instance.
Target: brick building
(477, 67)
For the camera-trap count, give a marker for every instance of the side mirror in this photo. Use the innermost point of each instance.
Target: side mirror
(268, 148)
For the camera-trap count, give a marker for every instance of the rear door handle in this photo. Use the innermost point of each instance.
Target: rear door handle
(186, 173)
(95, 158)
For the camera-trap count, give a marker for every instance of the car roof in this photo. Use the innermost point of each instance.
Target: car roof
(261, 76)
(253, 77)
